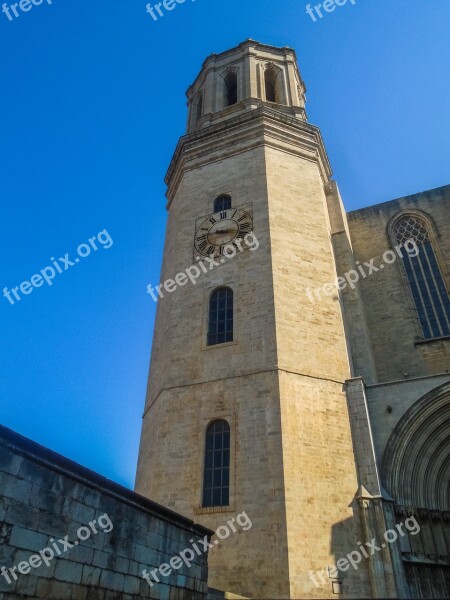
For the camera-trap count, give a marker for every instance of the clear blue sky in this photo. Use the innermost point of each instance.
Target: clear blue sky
(92, 106)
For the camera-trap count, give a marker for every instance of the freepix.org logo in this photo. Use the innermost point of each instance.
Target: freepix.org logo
(188, 556)
(365, 550)
(328, 6)
(11, 10)
(47, 274)
(156, 11)
(44, 557)
(193, 272)
(352, 277)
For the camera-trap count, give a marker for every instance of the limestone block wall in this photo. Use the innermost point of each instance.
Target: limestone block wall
(191, 383)
(310, 335)
(253, 562)
(279, 384)
(323, 521)
(323, 516)
(180, 355)
(45, 498)
(353, 310)
(391, 317)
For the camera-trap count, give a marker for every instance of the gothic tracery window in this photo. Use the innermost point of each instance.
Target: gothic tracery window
(425, 278)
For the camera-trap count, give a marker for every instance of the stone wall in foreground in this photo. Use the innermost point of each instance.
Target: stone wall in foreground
(66, 532)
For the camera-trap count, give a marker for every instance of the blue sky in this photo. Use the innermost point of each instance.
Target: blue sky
(92, 106)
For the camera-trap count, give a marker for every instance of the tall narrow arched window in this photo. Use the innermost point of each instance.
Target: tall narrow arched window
(230, 88)
(222, 202)
(424, 276)
(216, 477)
(269, 81)
(220, 318)
(198, 108)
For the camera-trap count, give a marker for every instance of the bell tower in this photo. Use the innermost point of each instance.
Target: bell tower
(239, 79)
(245, 408)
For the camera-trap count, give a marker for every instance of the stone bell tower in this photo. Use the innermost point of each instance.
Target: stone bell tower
(245, 408)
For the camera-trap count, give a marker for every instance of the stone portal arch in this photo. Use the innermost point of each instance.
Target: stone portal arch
(416, 462)
(415, 471)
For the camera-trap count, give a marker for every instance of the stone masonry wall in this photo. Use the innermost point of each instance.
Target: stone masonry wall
(44, 498)
(391, 315)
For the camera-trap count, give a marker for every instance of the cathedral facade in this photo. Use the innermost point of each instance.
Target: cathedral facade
(300, 360)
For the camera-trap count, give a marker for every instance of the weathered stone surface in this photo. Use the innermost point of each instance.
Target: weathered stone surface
(279, 384)
(99, 567)
(313, 384)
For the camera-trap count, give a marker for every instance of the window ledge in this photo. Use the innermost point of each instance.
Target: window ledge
(223, 345)
(204, 510)
(429, 340)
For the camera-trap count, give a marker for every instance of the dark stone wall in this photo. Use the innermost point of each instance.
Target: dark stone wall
(102, 535)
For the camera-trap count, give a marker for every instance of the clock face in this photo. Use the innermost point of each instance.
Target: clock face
(215, 231)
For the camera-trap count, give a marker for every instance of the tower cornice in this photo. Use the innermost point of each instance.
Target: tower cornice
(259, 126)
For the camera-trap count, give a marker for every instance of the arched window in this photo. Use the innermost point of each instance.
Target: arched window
(424, 277)
(269, 80)
(198, 108)
(274, 85)
(222, 202)
(230, 88)
(216, 478)
(220, 325)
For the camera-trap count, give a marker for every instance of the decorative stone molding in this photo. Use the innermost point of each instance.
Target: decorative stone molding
(416, 463)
